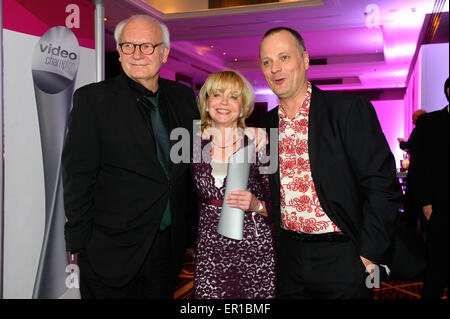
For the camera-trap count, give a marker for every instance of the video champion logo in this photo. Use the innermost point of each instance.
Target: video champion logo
(57, 51)
(54, 68)
(58, 57)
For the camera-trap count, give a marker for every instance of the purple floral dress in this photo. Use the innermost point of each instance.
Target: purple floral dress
(224, 267)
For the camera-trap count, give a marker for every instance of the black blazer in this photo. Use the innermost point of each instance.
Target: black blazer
(352, 168)
(430, 161)
(115, 189)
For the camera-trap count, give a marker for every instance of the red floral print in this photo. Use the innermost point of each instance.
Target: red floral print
(300, 207)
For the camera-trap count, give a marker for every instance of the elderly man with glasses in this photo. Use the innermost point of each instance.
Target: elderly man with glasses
(126, 203)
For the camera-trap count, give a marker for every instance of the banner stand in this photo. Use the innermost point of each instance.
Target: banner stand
(36, 98)
(100, 40)
(2, 168)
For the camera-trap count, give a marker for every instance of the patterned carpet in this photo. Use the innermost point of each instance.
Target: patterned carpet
(388, 289)
(185, 286)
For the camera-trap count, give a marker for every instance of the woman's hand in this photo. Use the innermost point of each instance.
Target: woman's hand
(246, 201)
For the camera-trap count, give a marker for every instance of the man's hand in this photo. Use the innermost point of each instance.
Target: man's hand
(73, 258)
(258, 135)
(427, 210)
(366, 263)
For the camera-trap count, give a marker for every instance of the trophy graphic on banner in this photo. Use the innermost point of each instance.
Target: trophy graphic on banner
(54, 69)
(231, 221)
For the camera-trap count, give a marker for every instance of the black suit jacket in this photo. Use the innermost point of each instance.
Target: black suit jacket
(430, 162)
(352, 168)
(115, 190)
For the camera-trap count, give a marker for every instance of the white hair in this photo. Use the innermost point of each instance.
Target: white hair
(165, 31)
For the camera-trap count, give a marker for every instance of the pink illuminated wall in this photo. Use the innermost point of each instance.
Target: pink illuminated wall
(167, 73)
(412, 99)
(434, 66)
(391, 116)
(425, 89)
(271, 99)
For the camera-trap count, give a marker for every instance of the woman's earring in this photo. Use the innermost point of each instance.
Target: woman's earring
(241, 115)
(206, 110)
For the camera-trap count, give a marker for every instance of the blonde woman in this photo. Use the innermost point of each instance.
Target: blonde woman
(228, 268)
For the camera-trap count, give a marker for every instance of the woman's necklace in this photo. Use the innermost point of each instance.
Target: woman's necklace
(227, 146)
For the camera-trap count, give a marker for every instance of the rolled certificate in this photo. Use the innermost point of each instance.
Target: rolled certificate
(231, 221)
(54, 68)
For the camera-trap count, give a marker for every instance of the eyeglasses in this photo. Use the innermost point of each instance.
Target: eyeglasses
(145, 48)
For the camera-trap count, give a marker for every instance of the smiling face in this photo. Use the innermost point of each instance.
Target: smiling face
(142, 68)
(220, 96)
(224, 107)
(284, 66)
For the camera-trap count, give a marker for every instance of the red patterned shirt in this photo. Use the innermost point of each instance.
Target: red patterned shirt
(300, 207)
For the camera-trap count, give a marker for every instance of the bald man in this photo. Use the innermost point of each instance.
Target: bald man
(335, 196)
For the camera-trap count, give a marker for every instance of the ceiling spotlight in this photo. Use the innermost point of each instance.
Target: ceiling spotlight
(235, 60)
(224, 53)
(106, 19)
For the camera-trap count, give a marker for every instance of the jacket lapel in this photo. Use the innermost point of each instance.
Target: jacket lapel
(274, 123)
(132, 111)
(174, 113)
(315, 131)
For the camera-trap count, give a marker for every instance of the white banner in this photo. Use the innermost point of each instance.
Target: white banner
(48, 51)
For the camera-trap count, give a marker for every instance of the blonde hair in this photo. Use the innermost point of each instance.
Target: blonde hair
(220, 81)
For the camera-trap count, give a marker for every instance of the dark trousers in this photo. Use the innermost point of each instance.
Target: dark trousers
(320, 270)
(154, 280)
(437, 240)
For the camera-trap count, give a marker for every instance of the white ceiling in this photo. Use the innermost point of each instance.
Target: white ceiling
(367, 44)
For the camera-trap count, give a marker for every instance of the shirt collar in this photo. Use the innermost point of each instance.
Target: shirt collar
(140, 89)
(303, 109)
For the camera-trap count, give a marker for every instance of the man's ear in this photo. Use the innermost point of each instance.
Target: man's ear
(165, 54)
(120, 52)
(305, 57)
